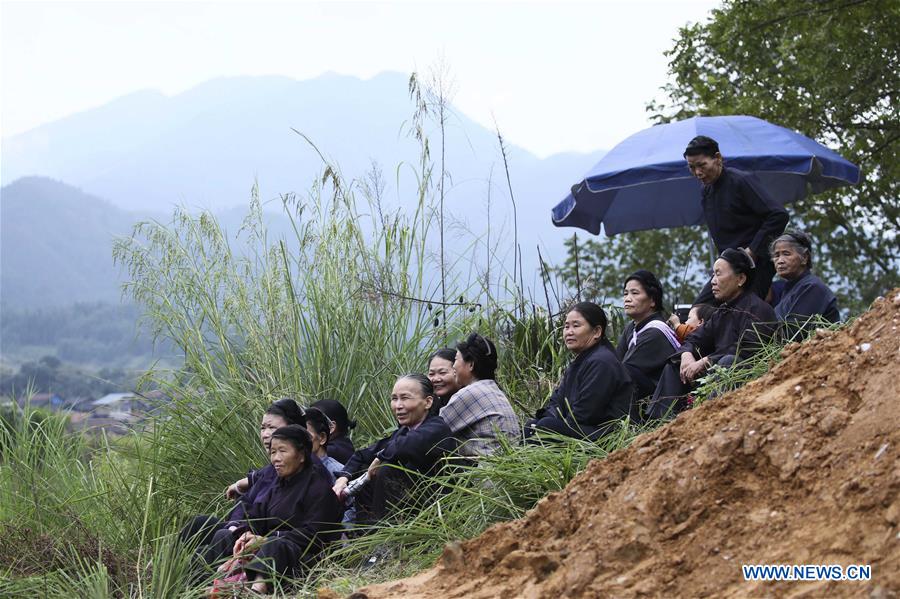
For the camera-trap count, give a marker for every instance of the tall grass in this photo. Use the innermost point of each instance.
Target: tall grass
(336, 316)
(338, 308)
(76, 515)
(461, 503)
(323, 320)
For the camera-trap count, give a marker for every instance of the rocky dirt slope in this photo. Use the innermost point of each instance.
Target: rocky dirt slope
(799, 467)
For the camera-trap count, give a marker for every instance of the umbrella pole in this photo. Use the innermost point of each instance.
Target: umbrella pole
(712, 252)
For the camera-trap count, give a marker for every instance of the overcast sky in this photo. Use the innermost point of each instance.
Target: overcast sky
(557, 76)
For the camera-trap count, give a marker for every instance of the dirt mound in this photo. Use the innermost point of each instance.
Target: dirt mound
(799, 467)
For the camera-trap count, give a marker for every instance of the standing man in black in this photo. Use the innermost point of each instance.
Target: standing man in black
(739, 213)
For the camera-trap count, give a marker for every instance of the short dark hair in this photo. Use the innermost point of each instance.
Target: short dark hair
(297, 436)
(481, 353)
(704, 311)
(650, 284)
(338, 414)
(288, 409)
(702, 145)
(740, 262)
(445, 353)
(800, 240)
(319, 422)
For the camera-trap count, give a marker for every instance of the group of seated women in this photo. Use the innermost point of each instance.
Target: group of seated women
(742, 322)
(661, 366)
(287, 511)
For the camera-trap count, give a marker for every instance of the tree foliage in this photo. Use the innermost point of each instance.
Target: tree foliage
(69, 381)
(596, 269)
(830, 70)
(85, 333)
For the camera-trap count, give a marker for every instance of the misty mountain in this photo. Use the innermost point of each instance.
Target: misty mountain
(56, 244)
(206, 146)
(145, 152)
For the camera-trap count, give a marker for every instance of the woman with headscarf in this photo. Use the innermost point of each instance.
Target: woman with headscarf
(804, 295)
(340, 447)
(417, 445)
(479, 410)
(287, 531)
(647, 341)
(739, 326)
(595, 389)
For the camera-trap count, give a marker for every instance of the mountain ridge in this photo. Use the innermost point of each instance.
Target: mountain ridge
(205, 148)
(147, 150)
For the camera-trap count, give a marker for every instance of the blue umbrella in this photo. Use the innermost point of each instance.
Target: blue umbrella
(644, 182)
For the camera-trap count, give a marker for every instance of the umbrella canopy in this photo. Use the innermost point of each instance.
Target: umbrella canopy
(644, 182)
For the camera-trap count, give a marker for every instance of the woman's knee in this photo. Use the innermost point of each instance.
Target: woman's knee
(726, 361)
(200, 529)
(276, 557)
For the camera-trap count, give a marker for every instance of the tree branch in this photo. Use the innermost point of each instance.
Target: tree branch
(806, 13)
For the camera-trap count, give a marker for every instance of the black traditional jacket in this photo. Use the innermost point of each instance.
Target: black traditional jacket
(595, 389)
(737, 328)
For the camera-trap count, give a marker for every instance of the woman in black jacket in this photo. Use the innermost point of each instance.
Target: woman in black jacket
(595, 389)
(647, 341)
(418, 444)
(258, 483)
(805, 296)
(739, 326)
(289, 528)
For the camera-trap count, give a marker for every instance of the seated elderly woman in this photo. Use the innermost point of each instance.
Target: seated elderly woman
(595, 389)
(647, 341)
(737, 328)
(418, 445)
(253, 488)
(287, 531)
(804, 294)
(479, 411)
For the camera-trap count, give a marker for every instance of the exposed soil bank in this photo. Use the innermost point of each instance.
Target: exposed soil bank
(799, 467)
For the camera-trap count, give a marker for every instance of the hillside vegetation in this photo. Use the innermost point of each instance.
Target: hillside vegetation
(56, 245)
(797, 467)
